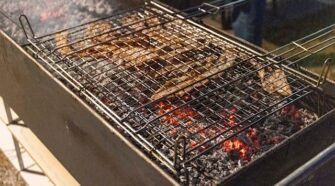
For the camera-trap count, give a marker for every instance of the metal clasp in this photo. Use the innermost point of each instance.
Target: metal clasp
(204, 5)
(325, 71)
(24, 18)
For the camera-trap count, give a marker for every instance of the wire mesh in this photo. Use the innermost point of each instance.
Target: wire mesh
(169, 81)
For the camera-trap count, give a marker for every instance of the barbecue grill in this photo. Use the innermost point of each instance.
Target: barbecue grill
(205, 107)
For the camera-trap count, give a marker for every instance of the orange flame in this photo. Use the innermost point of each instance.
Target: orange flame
(179, 115)
(236, 145)
(293, 112)
(231, 121)
(244, 150)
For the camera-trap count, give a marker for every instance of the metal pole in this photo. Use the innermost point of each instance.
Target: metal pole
(309, 168)
(18, 153)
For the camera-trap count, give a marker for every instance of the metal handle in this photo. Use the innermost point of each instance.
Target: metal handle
(212, 7)
(309, 171)
(296, 51)
(215, 9)
(325, 71)
(24, 18)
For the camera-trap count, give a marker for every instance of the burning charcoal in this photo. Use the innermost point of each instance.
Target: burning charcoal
(182, 179)
(234, 155)
(243, 137)
(182, 176)
(225, 173)
(215, 173)
(135, 67)
(193, 181)
(165, 149)
(230, 165)
(240, 163)
(195, 174)
(205, 181)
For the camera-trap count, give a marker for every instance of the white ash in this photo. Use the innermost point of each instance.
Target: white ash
(218, 164)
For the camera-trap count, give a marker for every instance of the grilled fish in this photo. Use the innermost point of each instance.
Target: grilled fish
(273, 80)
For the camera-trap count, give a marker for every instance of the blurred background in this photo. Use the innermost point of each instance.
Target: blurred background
(284, 21)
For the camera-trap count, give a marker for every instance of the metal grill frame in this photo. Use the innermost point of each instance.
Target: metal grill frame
(173, 165)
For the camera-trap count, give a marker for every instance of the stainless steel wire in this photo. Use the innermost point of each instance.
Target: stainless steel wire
(122, 61)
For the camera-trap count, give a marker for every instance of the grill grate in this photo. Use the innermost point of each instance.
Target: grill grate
(178, 89)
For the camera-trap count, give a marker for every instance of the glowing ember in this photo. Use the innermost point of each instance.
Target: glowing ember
(242, 149)
(237, 146)
(231, 118)
(253, 135)
(243, 146)
(180, 115)
(293, 113)
(289, 110)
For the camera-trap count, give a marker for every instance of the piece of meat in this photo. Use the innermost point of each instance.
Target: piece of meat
(100, 32)
(276, 82)
(179, 86)
(179, 83)
(157, 50)
(273, 81)
(61, 40)
(141, 54)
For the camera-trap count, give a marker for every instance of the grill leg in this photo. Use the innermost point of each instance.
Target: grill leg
(18, 153)
(11, 120)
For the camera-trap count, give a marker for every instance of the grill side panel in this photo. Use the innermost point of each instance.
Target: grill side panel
(148, 69)
(92, 151)
(289, 155)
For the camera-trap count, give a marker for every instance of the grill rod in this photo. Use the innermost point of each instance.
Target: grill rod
(207, 8)
(213, 9)
(204, 9)
(306, 46)
(311, 50)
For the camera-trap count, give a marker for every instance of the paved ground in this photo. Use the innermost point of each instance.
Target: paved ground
(9, 176)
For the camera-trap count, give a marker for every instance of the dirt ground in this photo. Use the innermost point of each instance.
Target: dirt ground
(9, 176)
